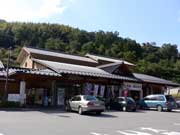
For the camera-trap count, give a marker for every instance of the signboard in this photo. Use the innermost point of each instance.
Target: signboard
(14, 97)
(60, 96)
(132, 86)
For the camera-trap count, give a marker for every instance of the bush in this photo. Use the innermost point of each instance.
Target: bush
(10, 104)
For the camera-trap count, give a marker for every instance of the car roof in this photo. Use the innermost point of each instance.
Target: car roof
(124, 97)
(156, 95)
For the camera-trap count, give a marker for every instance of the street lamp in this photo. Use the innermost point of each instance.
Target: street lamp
(7, 75)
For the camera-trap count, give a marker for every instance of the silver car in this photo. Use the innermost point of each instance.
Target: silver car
(85, 103)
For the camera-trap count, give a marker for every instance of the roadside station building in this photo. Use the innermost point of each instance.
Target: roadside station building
(49, 78)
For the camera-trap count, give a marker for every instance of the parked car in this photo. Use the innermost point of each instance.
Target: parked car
(85, 103)
(158, 101)
(123, 103)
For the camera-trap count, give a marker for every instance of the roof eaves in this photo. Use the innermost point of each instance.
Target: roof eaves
(154, 80)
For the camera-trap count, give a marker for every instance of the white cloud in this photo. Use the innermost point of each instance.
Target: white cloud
(29, 10)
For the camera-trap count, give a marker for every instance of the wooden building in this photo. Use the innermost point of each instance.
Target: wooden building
(49, 78)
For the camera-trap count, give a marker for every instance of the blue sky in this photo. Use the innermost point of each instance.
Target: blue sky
(143, 20)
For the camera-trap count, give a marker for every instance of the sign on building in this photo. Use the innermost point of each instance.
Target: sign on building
(132, 86)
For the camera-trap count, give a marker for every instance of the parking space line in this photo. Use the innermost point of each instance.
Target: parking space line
(153, 130)
(93, 133)
(131, 132)
(177, 124)
(171, 133)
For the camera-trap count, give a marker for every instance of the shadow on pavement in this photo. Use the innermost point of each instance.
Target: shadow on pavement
(63, 116)
(137, 111)
(174, 111)
(43, 110)
(103, 115)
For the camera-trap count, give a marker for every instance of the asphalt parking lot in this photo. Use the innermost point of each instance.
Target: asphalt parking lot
(56, 122)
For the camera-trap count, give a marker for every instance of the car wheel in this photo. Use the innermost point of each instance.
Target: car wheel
(98, 113)
(67, 108)
(159, 108)
(138, 107)
(124, 108)
(169, 110)
(134, 109)
(80, 111)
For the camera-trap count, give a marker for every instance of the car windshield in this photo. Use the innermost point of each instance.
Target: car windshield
(100, 98)
(130, 100)
(170, 98)
(90, 98)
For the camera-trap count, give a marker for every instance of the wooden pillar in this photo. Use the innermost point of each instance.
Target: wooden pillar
(54, 94)
(22, 93)
(141, 94)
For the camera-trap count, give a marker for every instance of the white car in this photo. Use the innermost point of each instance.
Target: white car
(85, 103)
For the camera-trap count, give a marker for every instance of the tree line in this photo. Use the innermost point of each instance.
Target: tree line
(150, 59)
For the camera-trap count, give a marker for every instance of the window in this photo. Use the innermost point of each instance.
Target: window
(170, 98)
(147, 98)
(160, 98)
(26, 64)
(90, 98)
(121, 99)
(78, 98)
(73, 99)
(154, 98)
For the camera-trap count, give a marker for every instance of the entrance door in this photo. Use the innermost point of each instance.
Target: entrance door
(60, 96)
(135, 95)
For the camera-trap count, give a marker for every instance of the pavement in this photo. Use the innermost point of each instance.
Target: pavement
(57, 122)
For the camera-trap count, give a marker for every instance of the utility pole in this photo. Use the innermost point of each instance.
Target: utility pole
(7, 76)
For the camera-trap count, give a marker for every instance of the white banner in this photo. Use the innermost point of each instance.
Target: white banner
(96, 88)
(102, 90)
(88, 88)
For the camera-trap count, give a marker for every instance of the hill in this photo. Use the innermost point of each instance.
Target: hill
(149, 58)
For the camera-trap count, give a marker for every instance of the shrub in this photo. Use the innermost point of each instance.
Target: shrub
(9, 104)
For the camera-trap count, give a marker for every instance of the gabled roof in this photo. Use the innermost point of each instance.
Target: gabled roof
(30, 50)
(110, 67)
(64, 68)
(1, 64)
(155, 80)
(114, 60)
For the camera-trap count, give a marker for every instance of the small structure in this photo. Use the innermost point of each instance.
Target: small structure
(174, 91)
(154, 85)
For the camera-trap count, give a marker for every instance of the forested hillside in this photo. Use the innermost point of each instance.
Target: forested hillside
(150, 59)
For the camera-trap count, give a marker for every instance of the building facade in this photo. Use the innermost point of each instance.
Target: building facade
(50, 78)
